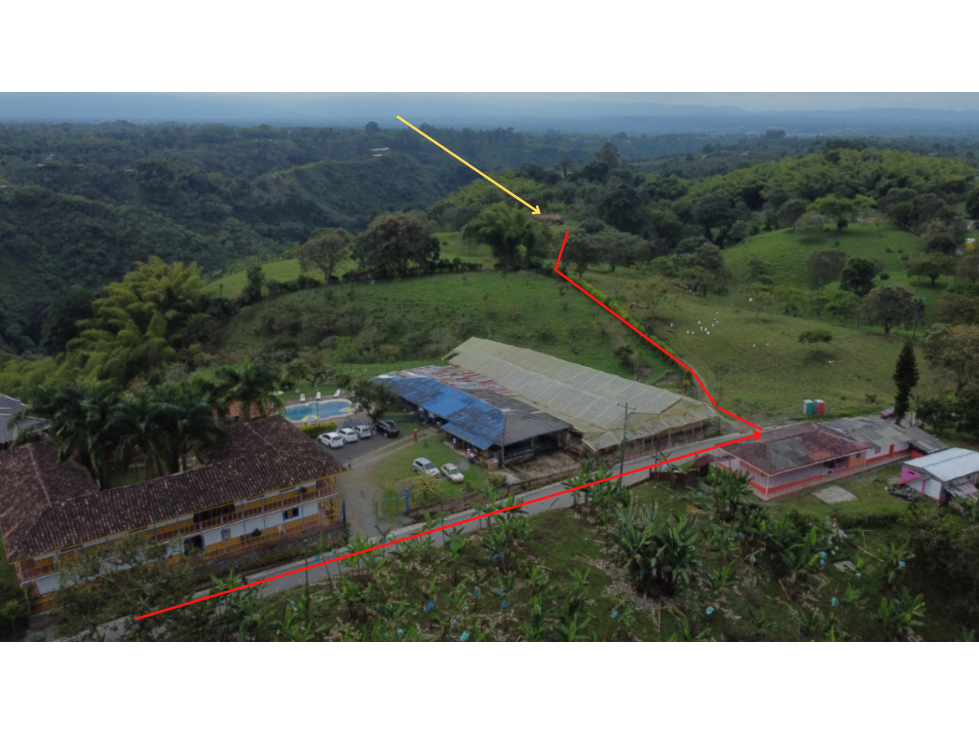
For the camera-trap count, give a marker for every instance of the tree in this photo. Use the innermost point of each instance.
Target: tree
(121, 580)
(79, 416)
(255, 276)
(394, 244)
(809, 227)
(943, 244)
(857, 276)
(932, 266)
(789, 212)
(972, 203)
(62, 318)
(619, 248)
(967, 410)
(714, 211)
(816, 337)
(325, 249)
(249, 385)
(906, 378)
(968, 268)
(622, 208)
(955, 349)
(515, 238)
(889, 306)
(843, 305)
(608, 154)
(705, 255)
(824, 267)
(141, 322)
(581, 251)
(837, 209)
(373, 397)
(936, 414)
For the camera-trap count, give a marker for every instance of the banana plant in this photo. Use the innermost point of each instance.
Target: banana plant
(901, 616)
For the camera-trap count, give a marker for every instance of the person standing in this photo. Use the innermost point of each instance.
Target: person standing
(415, 434)
(425, 441)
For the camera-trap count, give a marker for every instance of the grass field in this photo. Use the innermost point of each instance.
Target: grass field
(453, 247)
(232, 286)
(424, 318)
(786, 256)
(754, 364)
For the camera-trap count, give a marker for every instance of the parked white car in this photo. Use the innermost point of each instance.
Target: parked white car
(364, 431)
(331, 439)
(452, 473)
(424, 466)
(349, 435)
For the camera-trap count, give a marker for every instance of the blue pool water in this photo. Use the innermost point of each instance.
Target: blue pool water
(322, 409)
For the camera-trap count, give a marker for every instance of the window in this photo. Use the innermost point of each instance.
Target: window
(294, 512)
(225, 535)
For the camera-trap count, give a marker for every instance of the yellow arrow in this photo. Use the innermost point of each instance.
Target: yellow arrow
(534, 209)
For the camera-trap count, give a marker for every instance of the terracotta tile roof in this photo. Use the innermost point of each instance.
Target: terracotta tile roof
(792, 447)
(47, 506)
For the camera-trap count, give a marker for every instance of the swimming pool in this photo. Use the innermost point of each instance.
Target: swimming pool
(321, 409)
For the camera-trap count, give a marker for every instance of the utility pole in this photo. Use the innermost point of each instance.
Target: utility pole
(625, 422)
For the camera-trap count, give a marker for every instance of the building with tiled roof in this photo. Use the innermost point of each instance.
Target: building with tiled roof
(264, 481)
(792, 458)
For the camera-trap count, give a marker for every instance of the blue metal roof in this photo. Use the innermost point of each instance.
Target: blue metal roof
(480, 442)
(470, 419)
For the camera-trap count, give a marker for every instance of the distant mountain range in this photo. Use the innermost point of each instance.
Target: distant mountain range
(481, 111)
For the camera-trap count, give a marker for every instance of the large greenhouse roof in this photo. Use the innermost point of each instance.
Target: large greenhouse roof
(588, 399)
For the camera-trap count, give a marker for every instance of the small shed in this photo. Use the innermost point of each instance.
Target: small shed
(953, 472)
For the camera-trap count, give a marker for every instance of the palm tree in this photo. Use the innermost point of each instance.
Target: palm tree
(80, 422)
(512, 234)
(250, 384)
(196, 424)
(139, 425)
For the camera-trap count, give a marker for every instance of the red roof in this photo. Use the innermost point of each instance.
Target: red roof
(47, 506)
(792, 447)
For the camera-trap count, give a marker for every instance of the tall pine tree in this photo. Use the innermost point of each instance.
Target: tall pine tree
(905, 377)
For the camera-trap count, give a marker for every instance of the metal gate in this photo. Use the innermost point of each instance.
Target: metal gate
(392, 506)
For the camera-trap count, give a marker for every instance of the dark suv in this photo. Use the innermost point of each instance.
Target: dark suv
(387, 428)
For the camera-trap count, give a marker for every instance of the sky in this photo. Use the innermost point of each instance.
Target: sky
(751, 101)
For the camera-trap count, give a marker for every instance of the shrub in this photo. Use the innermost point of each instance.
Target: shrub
(315, 431)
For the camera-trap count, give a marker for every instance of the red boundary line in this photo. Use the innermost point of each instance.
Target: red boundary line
(441, 528)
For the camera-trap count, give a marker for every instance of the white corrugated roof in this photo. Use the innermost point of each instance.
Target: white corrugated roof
(948, 464)
(587, 398)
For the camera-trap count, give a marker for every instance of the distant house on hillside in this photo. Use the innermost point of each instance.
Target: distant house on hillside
(550, 218)
(263, 484)
(953, 472)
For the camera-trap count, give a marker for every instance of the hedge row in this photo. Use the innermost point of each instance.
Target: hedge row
(315, 431)
(612, 304)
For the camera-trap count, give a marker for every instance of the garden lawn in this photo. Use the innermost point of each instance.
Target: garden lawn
(388, 473)
(871, 497)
